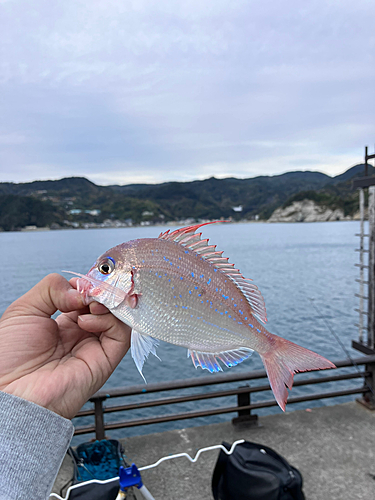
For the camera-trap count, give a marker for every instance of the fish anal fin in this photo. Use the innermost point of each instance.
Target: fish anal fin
(286, 359)
(210, 361)
(141, 346)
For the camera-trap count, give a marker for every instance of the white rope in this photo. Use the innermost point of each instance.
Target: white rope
(169, 457)
(193, 460)
(92, 481)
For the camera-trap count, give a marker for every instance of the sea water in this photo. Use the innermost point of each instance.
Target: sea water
(305, 272)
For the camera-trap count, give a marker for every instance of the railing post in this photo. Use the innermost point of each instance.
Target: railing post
(368, 398)
(99, 419)
(244, 416)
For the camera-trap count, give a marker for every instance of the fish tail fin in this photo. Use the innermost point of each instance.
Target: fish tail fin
(286, 359)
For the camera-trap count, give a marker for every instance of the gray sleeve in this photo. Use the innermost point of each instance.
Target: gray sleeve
(33, 443)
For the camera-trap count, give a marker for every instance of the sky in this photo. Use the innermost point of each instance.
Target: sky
(134, 91)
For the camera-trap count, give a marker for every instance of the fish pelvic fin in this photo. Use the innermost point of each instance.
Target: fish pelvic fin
(284, 361)
(210, 361)
(141, 346)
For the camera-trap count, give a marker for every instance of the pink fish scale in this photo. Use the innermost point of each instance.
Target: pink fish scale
(191, 240)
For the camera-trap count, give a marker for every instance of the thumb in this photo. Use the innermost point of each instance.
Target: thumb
(53, 293)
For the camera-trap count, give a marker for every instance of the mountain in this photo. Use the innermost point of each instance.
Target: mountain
(76, 200)
(337, 194)
(20, 211)
(215, 198)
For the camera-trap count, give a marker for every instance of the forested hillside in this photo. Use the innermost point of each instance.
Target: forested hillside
(76, 201)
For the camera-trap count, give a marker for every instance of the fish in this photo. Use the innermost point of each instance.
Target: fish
(179, 289)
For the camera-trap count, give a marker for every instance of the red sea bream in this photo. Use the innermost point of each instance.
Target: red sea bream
(179, 289)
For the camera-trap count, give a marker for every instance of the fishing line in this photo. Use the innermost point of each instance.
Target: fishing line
(155, 464)
(339, 342)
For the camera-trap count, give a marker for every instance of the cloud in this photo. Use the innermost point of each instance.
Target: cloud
(169, 90)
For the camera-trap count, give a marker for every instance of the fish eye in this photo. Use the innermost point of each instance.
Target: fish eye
(106, 266)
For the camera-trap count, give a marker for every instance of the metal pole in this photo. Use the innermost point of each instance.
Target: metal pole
(244, 416)
(371, 271)
(366, 161)
(99, 419)
(361, 248)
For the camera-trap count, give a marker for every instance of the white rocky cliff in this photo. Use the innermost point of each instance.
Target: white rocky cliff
(307, 211)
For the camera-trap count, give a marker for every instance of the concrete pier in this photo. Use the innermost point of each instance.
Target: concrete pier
(332, 446)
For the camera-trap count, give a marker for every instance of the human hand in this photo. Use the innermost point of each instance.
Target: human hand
(58, 364)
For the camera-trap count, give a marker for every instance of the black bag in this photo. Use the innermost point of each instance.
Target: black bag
(255, 472)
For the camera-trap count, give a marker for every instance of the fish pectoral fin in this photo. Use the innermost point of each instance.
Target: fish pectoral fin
(210, 361)
(141, 346)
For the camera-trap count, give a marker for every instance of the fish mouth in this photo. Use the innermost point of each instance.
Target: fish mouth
(92, 290)
(86, 289)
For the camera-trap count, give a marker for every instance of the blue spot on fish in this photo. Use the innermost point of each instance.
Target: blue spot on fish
(250, 325)
(181, 278)
(209, 281)
(258, 330)
(192, 275)
(201, 276)
(186, 251)
(199, 295)
(195, 288)
(190, 292)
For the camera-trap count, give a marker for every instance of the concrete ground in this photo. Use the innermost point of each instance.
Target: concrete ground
(332, 446)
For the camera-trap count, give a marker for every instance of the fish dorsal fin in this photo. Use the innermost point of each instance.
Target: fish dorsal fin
(187, 237)
(183, 231)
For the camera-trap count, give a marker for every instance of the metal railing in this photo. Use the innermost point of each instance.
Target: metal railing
(243, 407)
